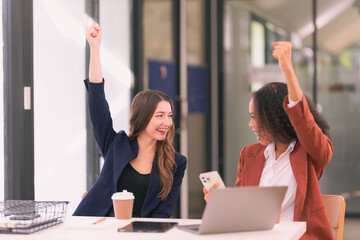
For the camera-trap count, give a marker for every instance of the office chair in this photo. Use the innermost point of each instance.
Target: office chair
(335, 210)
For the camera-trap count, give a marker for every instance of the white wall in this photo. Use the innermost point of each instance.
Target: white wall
(59, 92)
(59, 100)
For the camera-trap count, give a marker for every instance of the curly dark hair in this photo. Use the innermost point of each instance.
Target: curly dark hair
(271, 116)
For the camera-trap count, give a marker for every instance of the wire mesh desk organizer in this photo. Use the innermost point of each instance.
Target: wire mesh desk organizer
(27, 216)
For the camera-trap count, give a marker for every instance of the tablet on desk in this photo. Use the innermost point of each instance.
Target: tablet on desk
(138, 226)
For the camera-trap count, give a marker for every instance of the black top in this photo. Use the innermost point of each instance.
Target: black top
(132, 181)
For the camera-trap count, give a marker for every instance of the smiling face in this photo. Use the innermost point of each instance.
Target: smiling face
(262, 137)
(151, 116)
(160, 123)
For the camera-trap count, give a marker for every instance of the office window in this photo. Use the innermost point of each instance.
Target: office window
(115, 60)
(257, 50)
(273, 34)
(339, 99)
(197, 121)
(237, 60)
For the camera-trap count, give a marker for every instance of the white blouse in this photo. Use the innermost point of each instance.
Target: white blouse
(279, 173)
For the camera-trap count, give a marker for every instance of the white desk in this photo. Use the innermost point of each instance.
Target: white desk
(82, 228)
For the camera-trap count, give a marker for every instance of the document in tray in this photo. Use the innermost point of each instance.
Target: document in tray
(25, 223)
(27, 216)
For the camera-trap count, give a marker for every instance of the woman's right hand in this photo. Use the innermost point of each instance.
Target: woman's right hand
(207, 193)
(93, 36)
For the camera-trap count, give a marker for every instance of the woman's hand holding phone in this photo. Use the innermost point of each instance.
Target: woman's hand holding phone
(210, 180)
(207, 193)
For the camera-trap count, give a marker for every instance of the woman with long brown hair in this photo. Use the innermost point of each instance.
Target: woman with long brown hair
(145, 162)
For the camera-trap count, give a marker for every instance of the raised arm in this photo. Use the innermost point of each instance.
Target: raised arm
(93, 36)
(309, 134)
(98, 107)
(282, 52)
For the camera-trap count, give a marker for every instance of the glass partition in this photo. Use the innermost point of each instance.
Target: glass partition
(197, 122)
(248, 44)
(159, 72)
(339, 98)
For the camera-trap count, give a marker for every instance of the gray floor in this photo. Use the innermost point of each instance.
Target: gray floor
(352, 229)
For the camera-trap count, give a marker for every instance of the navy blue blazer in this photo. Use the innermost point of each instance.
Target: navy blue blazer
(118, 151)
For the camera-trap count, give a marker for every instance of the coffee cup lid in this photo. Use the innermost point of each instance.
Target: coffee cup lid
(124, 195)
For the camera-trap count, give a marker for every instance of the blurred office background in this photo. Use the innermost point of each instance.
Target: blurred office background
(208, 55)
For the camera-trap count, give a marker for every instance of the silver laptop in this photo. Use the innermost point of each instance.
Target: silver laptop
(240, 209)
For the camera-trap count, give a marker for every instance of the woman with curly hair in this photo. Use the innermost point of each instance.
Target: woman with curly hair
(145, 162)
(293, 150)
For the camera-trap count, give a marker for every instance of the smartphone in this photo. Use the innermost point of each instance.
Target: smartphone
(208, 179)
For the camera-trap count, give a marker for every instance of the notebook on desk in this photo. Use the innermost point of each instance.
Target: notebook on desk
(240, 209)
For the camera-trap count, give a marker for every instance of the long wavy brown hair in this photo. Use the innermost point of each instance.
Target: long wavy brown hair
(142, 110)
(271, 116)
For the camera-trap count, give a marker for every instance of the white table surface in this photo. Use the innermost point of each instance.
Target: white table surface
(82, 228)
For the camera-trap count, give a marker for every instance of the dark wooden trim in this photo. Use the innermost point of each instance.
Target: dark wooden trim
(137, 46)
(18, 123)
(92, 149)
(177, 103)
(220, 56)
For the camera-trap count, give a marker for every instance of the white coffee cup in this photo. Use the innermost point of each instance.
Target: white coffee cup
(123, 203)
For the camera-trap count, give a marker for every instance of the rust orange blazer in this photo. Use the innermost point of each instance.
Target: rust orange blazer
(312, 153)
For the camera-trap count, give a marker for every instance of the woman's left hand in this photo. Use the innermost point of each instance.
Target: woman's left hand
(282, 52)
